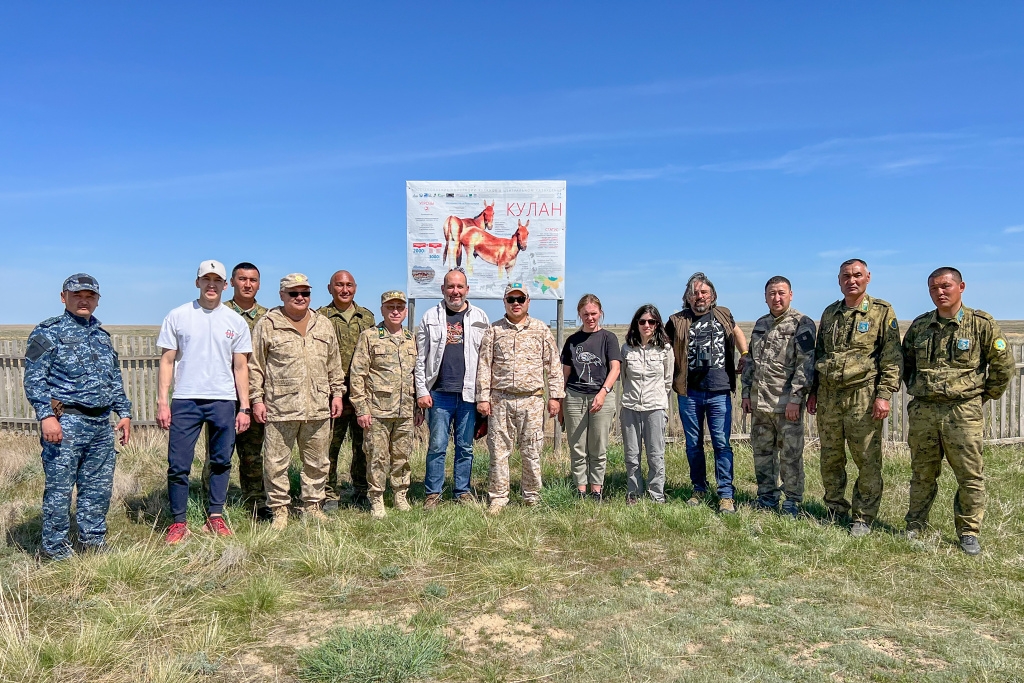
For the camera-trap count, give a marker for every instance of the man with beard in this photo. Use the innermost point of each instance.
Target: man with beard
(706, 342)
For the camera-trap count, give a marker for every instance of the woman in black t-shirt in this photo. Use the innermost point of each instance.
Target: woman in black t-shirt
(590, 362)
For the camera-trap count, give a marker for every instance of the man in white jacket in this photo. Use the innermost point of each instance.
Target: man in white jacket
(448, 340)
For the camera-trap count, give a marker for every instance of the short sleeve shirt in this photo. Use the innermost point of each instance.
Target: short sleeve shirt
(451, 376)
(205, 341)
(705, 355)
(589, 354)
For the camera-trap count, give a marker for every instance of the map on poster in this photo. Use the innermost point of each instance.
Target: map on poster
(496, 231)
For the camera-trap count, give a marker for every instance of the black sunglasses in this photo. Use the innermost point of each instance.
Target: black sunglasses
(647, 321)
(515, 299)
(302, 294)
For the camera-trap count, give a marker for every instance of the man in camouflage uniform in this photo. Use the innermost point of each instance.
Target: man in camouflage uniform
(515, 353)
(858, 363)
(245, 279)
(349, 320)
(295, 385)
(955, 359)
(73, 381)
(384, 398)
(775, 381)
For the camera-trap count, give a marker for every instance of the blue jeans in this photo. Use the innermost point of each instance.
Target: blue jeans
(187, 418)
(449, 408)
(715, 409)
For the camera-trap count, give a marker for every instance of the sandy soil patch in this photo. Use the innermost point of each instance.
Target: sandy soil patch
(485, 631)
(747, 600)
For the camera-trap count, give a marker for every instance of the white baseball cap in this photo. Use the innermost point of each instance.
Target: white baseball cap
(215, 267)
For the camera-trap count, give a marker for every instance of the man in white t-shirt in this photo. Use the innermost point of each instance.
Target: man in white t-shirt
(205, 347)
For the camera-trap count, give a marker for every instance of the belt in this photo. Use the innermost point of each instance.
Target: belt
(75, 409)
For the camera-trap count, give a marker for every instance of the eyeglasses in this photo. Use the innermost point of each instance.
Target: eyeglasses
(304, 295)
(515, 299)
(647, 321)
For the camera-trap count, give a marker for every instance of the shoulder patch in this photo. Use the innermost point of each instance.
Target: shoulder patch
(999, 344)
(37, 346)
(894, 325)
(863, 326)
(805, 340)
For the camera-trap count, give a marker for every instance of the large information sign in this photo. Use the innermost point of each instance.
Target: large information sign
(496, 231)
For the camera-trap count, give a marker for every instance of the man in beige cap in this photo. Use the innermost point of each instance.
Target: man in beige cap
(384, 398)
(514, 355)
(294, 371)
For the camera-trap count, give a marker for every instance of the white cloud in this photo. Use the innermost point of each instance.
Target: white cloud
(887, 154)
(1013, 229)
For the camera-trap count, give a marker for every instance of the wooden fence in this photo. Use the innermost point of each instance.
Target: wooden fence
(140, 363)
(140, 359)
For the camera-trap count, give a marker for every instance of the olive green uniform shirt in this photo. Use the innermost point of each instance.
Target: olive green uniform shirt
(857, 346)
(956, 360)
(251, 317)
(347, 328)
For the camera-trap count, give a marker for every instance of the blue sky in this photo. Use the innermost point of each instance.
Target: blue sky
(741, 139)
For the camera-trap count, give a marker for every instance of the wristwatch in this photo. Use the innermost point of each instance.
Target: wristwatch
(245, 411)
(607, 389)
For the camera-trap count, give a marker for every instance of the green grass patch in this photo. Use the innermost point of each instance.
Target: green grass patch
(372, 655)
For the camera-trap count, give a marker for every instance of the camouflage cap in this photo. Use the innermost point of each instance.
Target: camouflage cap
(294, 280)
(393, 295)
(516, 287)
(81, 282)
(211, 266)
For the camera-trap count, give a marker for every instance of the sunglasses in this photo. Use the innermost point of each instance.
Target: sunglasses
(647, 321)
(515, 299)
(304, 295)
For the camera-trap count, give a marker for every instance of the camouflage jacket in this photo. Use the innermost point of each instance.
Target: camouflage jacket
(348, 332)
(956, 360)
(513, 359)
(857, 346)
(294, 375)
(71, 359)
(382, 374)
(251, 317)
(781, 364)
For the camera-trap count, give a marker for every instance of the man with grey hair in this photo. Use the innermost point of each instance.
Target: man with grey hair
(707, 344)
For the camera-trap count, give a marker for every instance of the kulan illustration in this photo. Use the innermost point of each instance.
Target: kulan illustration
(454, 227)
(501, 252)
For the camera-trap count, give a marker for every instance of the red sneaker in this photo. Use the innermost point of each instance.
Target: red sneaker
(216, 525)
(177, 533)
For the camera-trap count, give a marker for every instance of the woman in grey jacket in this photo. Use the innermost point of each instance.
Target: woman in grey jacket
(647, 363)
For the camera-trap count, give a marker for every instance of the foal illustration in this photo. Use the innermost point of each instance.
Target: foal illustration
(502, 252)
(455, 226)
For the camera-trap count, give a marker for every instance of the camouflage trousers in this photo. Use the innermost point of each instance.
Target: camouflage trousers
(953, 430)
(515, 419)
(388, 444)
(778, 446)
(313, 438)
(341, 426)
(844, 418)
(84, 458)
(249, 447)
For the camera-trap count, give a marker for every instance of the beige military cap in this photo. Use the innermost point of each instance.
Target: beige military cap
(294, 280)
(392, 295)
(516, 287)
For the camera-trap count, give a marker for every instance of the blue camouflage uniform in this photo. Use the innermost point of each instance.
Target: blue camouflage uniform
(71, 360)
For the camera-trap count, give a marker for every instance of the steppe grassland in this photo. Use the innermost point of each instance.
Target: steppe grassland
(565, 592)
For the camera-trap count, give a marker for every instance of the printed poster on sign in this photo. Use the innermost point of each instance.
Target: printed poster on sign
(496, 231)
